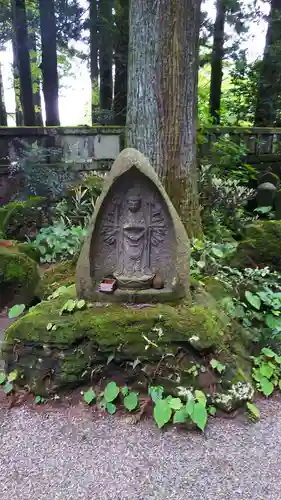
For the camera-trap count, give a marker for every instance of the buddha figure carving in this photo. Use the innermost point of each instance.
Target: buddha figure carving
(135, 227)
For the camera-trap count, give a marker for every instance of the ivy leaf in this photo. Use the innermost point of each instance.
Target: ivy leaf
(131, 401)
(199, 416)
(179, 416)
(8, 387)
(162, 412)
(16, 311)
(175, 403)
(12, 376)
(254, 411)
(253, 299)
(111, 392)
(2, 378)
(111, 408)
(89, 396)
(268, 352)
(266, 386)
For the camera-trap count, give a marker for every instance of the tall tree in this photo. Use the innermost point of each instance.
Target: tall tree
(3, 112)
(270, 76)
(162, 95)
(217, 60)
(49, 61)
(22, 54)
(105, 52)
(121, 43)
(94, 53)
(16, 84)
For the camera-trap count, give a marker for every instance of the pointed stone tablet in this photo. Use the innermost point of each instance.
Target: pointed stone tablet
(137, 249)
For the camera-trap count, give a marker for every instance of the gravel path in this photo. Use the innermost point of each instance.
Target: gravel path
(69, 455)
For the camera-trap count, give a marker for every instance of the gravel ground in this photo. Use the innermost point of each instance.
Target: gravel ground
(69, 454)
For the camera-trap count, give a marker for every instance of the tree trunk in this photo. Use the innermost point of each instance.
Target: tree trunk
(16, 78)
(105, 52)
(49, 61)
(217, 60)
(94, 54)
(162, 96)
(35, 79)
(121, 60)
(3, 112)
(21, 41)
(270, 76)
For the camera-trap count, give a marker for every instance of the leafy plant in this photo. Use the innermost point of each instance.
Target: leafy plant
(90, 396)
(58, 242)
(72, 305)
(267, 371)
(16, 311)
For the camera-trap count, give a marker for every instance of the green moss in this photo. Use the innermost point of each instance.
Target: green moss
(53, 278)
(29, 250)
(260, 247)
(23, 218)
(82, 341)
(19, 276)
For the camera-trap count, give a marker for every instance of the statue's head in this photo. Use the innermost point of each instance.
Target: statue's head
(133, 200)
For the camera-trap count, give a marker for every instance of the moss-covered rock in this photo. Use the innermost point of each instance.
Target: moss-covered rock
(62, 274)
(260, 246)
(161, 343)
(18, 277)
(25, 218)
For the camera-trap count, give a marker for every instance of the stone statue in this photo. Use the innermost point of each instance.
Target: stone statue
(138, 225)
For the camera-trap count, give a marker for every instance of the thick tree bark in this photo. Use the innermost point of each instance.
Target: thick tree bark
(162, 96)
(49, 61)
(270, 76)
(217, 61)
(105, 52)
(94, 53)
(3, 112)
(21, 41)
(35, 80)
(121, 44)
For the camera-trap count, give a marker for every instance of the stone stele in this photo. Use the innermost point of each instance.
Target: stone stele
(136, 240)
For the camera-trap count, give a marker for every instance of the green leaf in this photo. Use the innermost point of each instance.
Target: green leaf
(190, 406)
(131, 401)
(270, 321)
(70, 305)
(266, 386)
(179, 416)
(254, 411)
(266, 370)
(49, 326)
(253, 299)
(156, 393)
(125, 390)
(111, 392)
(81, 304)
(212, 410)
(8, 387)
(216, 365)
(16, 311)
(37, 400)
(201, 398)
(111, 408)
(268, 352)
(279, 384)
(12, 376)
(175, 403)
(89, 396)
(2, 378)
(199, 416)
(162, 412)
(217, 252)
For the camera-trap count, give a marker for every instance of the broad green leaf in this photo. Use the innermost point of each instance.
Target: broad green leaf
(266, 370)
(201, 398)
(253, 299)
(162, 412)
(270, 321)
(175, 403)
(266, 386)
(199, 416)
(8, 387)
(279, 384)
(179, 416)
(131, 401)
(89, 396)
(217, 252)
(268, 352)
(81, 304)
(2, 378)
(253, 409)
(16, 311)
(12, 376)
(125, 390)
(111, 408)
(190, 406)
(156, 392)
(111, 392)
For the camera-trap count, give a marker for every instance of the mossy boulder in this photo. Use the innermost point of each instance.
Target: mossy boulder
(157, 344)
(24, 218)
(260, 247)
(62, 274)
(18, 277)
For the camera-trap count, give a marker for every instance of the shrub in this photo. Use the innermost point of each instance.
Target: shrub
(24, 219)
(58, 242)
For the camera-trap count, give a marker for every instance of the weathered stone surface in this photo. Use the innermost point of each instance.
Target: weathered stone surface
(135, 235)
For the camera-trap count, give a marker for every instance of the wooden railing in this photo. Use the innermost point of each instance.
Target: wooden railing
(257, 144)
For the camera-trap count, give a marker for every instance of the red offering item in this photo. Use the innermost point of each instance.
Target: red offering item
(108, 285)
